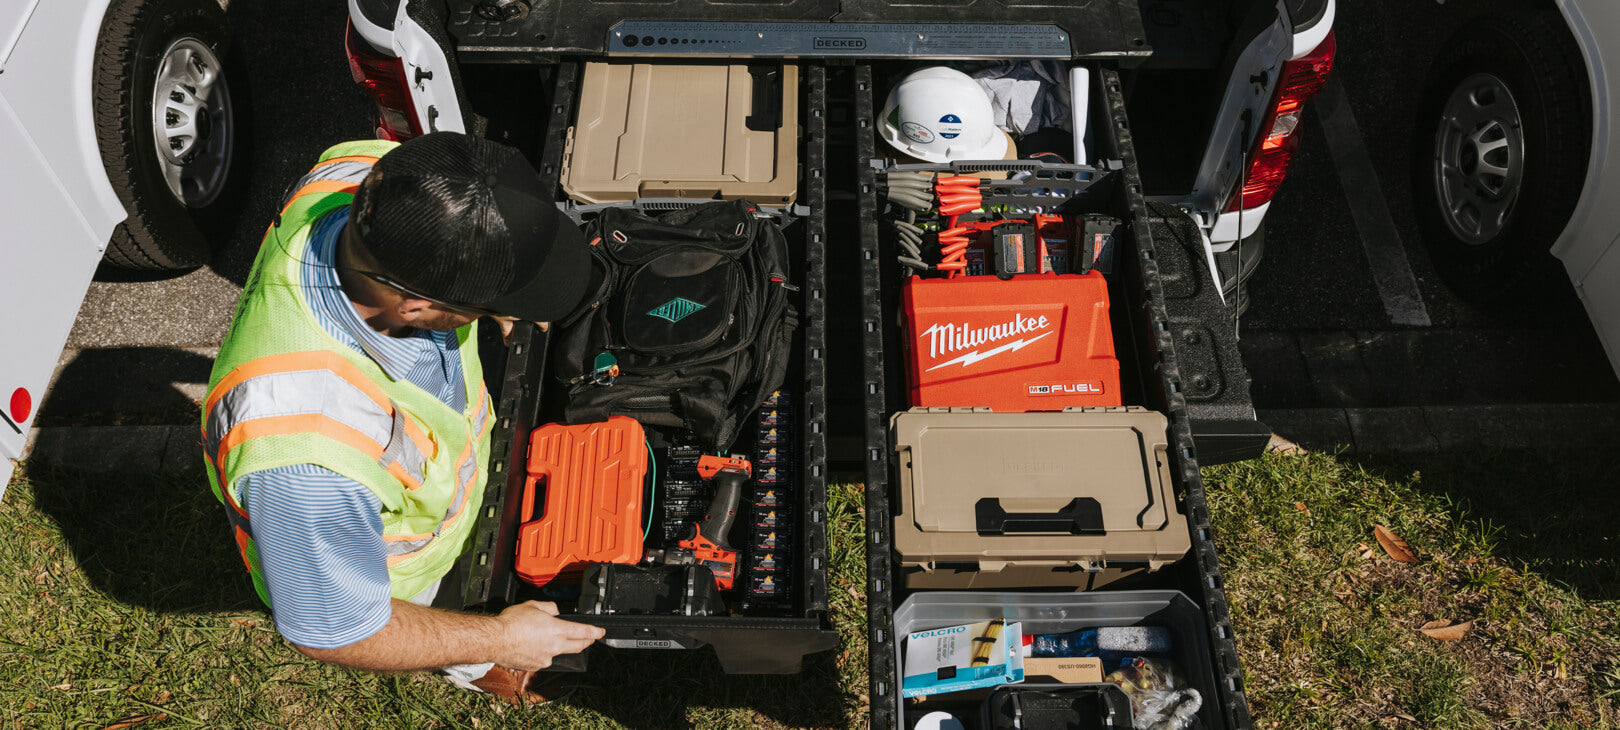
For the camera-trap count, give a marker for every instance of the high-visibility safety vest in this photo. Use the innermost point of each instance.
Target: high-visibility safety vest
(285, 392)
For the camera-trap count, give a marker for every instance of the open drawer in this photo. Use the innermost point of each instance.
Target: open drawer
(1144, 341)
(747, 637)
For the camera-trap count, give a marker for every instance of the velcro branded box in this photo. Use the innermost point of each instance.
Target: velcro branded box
(1034, 342)
(1076, 498)
(957, 658)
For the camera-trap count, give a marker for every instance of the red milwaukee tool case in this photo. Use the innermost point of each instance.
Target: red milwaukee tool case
(1035, 342)
(591, 478)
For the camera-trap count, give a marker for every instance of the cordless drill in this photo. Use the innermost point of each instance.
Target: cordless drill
(707, 546)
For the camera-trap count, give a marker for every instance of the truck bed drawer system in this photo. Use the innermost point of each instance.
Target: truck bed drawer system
(1094, 315)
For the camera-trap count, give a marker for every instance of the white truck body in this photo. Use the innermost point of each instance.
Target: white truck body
(58, 206)
(1588, 246)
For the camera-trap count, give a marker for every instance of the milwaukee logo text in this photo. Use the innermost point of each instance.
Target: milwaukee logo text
(944, 339)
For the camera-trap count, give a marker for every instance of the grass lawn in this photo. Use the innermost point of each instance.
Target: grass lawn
(122, 598)
(1525, 546)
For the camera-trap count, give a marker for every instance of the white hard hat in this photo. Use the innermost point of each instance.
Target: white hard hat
(939, 114)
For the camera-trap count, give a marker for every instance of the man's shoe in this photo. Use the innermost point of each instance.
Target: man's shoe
(522, 689)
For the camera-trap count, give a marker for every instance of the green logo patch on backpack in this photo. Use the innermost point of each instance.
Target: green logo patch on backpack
(676, 309)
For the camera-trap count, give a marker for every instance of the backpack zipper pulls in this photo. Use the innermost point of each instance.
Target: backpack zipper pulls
(605, 370)
(781, 280)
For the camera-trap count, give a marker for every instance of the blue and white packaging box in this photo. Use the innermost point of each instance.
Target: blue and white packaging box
(941, 660)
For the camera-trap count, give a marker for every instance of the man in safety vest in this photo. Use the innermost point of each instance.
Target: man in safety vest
(347, 425)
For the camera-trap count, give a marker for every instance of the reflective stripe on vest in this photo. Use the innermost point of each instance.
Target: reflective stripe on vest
(399, 547)
(339, 174)
(482, 422)
(315, 392)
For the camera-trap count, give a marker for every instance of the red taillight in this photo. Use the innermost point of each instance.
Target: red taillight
(1268, 164)
(384, 79)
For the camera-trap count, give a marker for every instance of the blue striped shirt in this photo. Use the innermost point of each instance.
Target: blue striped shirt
(318, 533)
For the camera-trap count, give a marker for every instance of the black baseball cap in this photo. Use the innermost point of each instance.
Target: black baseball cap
(462, 220)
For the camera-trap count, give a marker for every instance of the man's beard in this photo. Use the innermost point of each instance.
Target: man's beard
(441, 321)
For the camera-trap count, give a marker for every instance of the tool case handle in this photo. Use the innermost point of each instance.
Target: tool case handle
(1081, 516)
(765, 112)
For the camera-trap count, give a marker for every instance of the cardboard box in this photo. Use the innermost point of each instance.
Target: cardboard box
(1063, 670)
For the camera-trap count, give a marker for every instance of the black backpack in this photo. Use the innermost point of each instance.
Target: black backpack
(694, 315)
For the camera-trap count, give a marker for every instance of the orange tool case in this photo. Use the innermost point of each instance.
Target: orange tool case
(592, 476)
(1034, 342)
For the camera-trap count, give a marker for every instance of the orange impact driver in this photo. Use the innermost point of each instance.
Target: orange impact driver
(707, 545)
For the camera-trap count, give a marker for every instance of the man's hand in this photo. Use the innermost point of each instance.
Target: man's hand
(524, 637)
(534, 635)
(505, 323)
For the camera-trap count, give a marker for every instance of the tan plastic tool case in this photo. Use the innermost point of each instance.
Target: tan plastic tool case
(1077, 498)
(649, 130)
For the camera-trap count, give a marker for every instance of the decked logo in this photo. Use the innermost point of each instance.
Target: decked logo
(950, 338)
(676, 309)
(823, 43)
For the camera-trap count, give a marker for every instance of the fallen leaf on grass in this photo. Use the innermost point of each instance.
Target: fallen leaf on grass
(246, 622)
(1393, 545)
(162, 697)
(1364, 551)
(133, 721)
(64, 685)
(1301, 507)
(1285, 447)
(1446, 631)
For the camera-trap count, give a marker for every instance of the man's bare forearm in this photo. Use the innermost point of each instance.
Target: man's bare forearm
(525, 636)
(421, 638)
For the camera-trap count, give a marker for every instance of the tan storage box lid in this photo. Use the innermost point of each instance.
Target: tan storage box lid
(1049, 495)
(682, 131)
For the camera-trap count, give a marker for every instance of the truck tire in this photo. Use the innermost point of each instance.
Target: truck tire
(167, 112)
(1500, 153)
